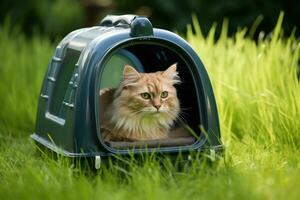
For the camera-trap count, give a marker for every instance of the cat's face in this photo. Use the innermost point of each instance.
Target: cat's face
(149, 94)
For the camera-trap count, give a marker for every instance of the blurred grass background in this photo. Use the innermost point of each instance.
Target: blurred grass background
(257, 92)
(55, 18)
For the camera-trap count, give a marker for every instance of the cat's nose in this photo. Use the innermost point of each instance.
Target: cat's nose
(157, 106)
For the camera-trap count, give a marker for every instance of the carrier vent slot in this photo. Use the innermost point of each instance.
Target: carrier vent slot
(48, 88)
(54, 68)
(70, 93)
(69, 97)
(49, 84)
(66, 75)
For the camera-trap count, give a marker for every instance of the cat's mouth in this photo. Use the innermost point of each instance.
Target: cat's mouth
(155, 112)
(158, 112)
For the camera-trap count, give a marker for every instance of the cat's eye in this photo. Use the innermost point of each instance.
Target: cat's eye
(164, 94)
(145, 95)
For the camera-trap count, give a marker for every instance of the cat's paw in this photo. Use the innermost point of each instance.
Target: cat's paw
(103, 91)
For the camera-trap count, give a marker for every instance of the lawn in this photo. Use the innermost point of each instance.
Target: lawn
(258, 97)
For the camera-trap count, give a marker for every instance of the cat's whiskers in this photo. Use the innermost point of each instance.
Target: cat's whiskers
(181, 115)
(176, 116)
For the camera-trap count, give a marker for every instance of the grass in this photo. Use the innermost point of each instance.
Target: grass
(257, 93)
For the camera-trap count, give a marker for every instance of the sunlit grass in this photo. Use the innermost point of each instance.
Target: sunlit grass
(255, 84)
(258, 97)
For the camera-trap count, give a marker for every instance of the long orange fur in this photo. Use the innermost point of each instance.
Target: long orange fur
(130, 117)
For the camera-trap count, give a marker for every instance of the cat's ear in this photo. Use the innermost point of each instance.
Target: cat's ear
(130, 75)
(172, 73)
(130, 72)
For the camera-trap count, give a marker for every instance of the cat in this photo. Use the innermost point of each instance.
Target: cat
(143, 107)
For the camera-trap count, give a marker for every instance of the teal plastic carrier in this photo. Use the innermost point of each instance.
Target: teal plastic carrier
(90, 59)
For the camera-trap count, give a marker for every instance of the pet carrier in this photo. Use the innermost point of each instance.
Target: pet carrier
(90, 59)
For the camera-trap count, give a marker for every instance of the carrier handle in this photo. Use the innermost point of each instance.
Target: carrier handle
(139, 26)
(115, 20)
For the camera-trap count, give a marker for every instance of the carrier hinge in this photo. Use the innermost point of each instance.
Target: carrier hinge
(97, 162)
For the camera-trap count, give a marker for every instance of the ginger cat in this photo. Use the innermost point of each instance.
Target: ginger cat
(143, 107)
